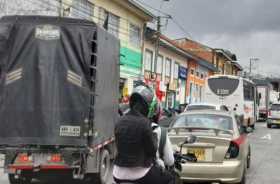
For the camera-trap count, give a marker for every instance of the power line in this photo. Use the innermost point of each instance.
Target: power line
(151, 7)
(181, 28)
(166, 14)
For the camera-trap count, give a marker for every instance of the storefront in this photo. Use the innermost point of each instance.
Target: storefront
(183, 74)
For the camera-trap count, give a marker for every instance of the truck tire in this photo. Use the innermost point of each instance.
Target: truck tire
(13, 180)
(104, 171)
(105, 165)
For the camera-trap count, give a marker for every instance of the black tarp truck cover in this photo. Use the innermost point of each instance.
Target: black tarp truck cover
(45, 85)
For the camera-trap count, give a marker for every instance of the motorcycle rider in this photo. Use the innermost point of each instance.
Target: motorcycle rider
(165, 154)
(137, 144)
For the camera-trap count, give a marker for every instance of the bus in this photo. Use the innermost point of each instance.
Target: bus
(237, 93)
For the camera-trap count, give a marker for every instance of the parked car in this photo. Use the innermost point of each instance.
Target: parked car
(222, 149)
(273, 115)
(206, 106)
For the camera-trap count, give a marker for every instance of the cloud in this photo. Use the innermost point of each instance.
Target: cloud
(249, 28)
(262, 45)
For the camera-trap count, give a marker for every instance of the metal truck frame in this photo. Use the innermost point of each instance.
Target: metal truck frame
(58, 98)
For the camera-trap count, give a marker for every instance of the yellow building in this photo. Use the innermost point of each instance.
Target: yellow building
(125, 19)
(226, 63)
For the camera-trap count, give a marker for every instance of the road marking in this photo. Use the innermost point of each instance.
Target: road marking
(267, 137)
(263, 125)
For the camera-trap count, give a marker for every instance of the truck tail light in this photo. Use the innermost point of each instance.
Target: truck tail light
(55, 158)
(234, 147)
(23, 158)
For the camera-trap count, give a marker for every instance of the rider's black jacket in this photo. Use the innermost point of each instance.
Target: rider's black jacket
(135, 141)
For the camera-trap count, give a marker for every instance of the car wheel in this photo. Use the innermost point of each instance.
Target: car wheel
(268, 125)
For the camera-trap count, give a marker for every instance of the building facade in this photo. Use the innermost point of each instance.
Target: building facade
(199, 70)
(168, 73)
(177, 75)
(126, 20)
(29, 7)
(223, 60)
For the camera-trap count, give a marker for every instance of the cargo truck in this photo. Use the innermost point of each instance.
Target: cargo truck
(58, 98)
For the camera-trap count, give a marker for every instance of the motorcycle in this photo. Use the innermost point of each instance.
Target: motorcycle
(179, 160)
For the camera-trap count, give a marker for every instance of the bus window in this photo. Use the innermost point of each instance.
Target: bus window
(248, 91)
(223, 86)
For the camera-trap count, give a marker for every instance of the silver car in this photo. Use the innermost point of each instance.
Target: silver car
(205, 106)
(274, 115)
(222, 150)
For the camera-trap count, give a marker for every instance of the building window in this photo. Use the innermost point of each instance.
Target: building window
(135, 35)
(109, 21)
(168, 67)
(159, 67)
(201, 76)
(82, 9)
(192, 71)
(148, 60)
(176, 71)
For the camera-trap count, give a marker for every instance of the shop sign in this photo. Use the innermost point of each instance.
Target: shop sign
(183, 73)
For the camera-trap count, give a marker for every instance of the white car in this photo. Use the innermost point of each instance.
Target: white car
(206, 106)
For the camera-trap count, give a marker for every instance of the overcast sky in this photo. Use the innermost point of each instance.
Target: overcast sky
(248, 28)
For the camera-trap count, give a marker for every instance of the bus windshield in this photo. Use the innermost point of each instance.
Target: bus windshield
(223, 86)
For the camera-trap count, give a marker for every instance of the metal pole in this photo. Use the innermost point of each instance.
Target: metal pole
(250, 69)
(61, 9)
(251, 65)
(158, 33)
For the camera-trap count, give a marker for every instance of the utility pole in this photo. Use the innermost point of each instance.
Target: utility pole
(251, 65)
(158, 33)
(61, 9)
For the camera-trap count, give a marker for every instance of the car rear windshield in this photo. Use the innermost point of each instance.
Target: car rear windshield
(275, 107)
(200, 107)
(211, 121)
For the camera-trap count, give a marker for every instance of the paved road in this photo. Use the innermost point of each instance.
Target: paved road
(265, 164)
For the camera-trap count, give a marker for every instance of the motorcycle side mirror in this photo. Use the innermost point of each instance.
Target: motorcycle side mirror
(246, 130)
(190, 139)
(249, 130)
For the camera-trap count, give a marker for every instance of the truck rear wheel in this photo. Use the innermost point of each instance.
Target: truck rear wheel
(13, 180)
(105, 165)
(104, 170)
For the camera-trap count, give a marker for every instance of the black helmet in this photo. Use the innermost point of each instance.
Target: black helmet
(143, 99)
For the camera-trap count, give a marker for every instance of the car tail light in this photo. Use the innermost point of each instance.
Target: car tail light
(55, 158)
(234, 147)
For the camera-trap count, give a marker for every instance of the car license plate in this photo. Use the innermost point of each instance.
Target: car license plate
(199, 153)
